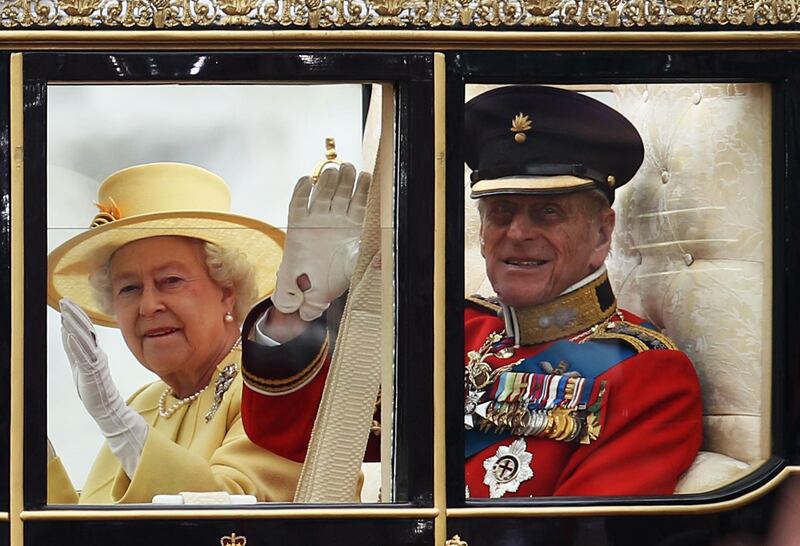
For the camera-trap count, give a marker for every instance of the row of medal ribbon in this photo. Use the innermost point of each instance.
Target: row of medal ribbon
(542, 391)
(543, 405)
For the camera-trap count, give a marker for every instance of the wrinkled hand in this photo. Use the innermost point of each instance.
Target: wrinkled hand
(124, 429)
(321, 240)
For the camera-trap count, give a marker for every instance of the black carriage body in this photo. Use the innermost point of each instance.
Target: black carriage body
(429, 87)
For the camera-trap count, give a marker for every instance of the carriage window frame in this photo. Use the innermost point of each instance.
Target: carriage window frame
(627, 67)
(714, 39)
(6, 325)
(409, 74)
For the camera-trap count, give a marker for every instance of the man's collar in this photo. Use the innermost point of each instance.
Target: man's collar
(586, 280)
(584, 304)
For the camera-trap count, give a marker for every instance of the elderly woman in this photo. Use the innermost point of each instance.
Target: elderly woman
(168, 264)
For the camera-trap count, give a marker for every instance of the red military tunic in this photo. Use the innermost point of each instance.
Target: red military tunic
(283, 388)
(650, 423)
(650, 417)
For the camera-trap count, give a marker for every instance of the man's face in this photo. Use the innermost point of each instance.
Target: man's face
(535, 247)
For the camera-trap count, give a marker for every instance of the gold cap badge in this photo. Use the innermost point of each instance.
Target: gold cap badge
(519, 125)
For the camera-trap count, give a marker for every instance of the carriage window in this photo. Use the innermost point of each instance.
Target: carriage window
(173, 212)
(640, 334)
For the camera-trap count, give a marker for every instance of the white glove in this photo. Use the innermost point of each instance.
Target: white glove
(321, 240)
(125, 430)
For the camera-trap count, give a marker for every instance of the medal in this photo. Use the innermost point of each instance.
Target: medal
(554, 405)
(508, 468)
(577, 428)
(564, 425)
(470, 405)
(478, 375)
(538, 423)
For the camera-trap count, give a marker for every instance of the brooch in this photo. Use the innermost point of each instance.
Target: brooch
(224, 381)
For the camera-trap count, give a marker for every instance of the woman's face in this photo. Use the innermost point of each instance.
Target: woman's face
(171, 313)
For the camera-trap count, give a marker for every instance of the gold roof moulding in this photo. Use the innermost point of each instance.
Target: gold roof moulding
(326, 14)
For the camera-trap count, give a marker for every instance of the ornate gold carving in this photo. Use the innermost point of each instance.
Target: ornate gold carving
(389, 12)
(540, 12)
(237, 12)
(396, 13)
(642, 13)
(776, 12)
(683, 12)
(26, 13)
(591, 13)
(78, 12)
(161, 9)
(313, 7)
(233, 540)
(456, 541)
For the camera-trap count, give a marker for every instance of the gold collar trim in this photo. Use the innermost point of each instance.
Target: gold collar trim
(566, 316)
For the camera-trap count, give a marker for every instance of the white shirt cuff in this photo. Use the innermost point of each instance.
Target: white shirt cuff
(260, 337)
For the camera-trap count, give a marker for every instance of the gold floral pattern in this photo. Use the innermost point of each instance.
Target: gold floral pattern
(396, 13)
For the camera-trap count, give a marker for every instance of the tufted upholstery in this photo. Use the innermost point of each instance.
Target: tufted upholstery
(692, 254)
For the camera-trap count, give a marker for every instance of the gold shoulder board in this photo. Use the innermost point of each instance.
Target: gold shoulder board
(483, 303)
(639, 337)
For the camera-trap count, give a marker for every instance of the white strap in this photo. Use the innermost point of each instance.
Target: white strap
(341, 430)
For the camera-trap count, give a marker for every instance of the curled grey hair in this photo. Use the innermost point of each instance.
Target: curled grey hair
(228, 268)
(596, 202)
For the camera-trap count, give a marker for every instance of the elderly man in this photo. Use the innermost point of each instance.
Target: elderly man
(565, 394)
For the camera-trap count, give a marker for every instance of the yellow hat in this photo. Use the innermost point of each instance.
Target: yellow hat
(153, 200)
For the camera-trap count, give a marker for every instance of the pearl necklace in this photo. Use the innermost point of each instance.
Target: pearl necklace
(166, 413)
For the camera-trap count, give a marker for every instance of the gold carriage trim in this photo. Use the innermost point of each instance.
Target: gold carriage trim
(463, 14)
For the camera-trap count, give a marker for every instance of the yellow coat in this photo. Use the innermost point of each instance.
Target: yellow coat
(184, 453)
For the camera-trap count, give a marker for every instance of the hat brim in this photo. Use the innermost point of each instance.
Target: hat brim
(70, 265)
(530, 185)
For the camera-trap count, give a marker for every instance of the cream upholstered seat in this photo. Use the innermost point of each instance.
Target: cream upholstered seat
(692, 254)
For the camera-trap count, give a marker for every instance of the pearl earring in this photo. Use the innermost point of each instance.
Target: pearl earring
(228, 317)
